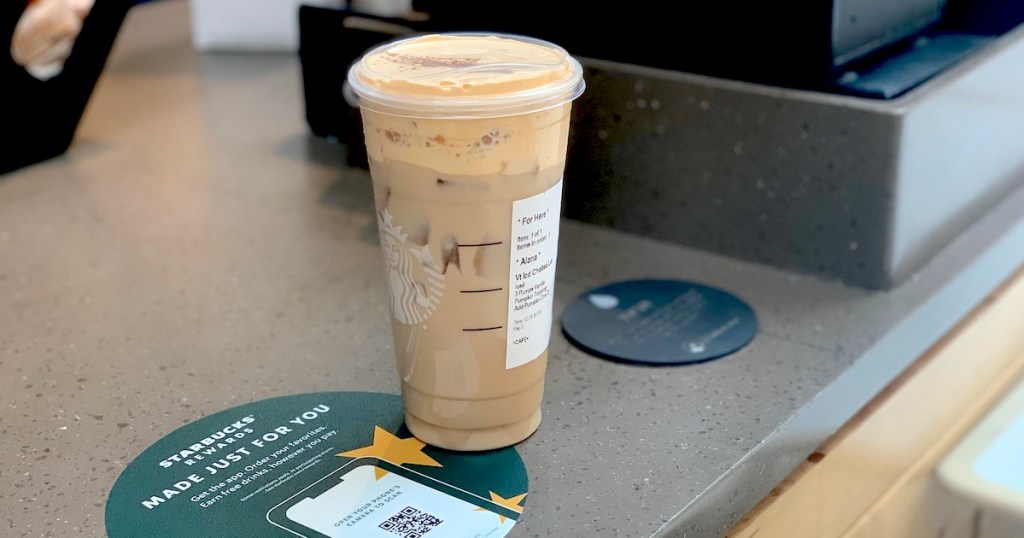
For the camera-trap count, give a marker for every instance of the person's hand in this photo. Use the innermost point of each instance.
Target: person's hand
(46, 33)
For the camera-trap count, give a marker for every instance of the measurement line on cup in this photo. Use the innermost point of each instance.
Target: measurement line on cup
(481, 291)
(482, 329)
(482, 244)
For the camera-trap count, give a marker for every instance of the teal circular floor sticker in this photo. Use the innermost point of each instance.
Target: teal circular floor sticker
(334, 464)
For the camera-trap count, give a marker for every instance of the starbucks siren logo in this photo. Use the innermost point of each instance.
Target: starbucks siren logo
(415, 280)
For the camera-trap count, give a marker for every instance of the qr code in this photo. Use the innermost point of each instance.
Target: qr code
(410, 523)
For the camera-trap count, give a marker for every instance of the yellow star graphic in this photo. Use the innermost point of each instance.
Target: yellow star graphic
(512, 503)
(390, 448)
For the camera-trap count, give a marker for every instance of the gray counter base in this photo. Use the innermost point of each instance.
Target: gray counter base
(861, 190)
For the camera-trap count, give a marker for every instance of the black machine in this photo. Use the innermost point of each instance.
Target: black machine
(870, 48)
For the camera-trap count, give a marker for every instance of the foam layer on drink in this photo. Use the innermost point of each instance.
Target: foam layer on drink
(508, 146)
(465, 75)
(465, 66)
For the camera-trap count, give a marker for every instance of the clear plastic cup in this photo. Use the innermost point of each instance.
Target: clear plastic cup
(466, 138)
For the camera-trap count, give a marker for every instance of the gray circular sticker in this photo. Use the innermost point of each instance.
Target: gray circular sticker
(334, 464)
(659, 322)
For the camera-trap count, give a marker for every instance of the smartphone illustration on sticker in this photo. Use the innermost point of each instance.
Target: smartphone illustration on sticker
(372, 498)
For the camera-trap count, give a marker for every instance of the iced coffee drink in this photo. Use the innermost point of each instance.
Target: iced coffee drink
(466, 138)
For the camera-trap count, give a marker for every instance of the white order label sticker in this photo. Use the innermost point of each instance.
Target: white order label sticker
(531, 280)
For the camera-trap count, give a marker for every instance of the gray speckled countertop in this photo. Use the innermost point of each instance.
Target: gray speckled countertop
(196, 250)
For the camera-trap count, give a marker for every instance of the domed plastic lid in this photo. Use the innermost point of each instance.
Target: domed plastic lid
(465, 75)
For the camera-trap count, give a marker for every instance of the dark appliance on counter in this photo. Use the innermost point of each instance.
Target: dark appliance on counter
(871, 48)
